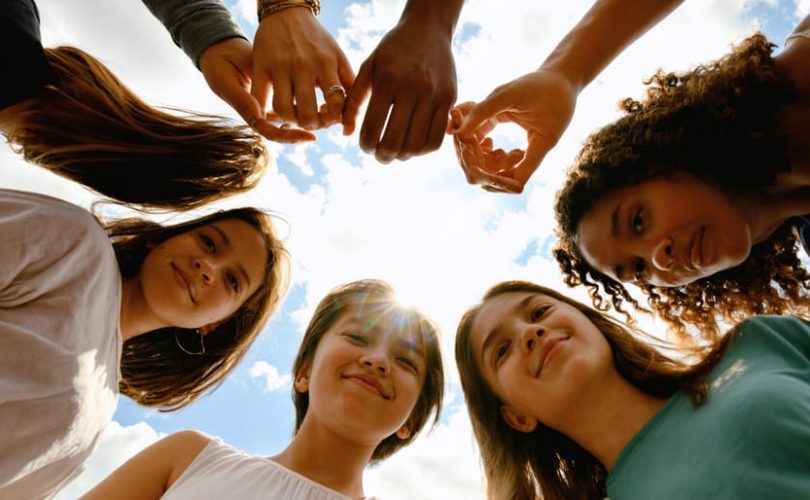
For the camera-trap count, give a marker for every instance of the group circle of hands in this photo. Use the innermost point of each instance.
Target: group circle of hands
(411, 79)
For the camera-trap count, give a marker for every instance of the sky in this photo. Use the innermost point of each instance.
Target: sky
(417, 224)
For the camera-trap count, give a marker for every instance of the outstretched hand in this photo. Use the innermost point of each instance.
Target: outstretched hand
(294, 53)
(412, 69)
(541, 102)
(227, 68)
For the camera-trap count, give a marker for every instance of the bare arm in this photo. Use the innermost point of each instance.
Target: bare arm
(543, 101)
(151, 472)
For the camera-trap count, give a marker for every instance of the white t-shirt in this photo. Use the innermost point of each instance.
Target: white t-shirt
(60, 343)
(221, 471)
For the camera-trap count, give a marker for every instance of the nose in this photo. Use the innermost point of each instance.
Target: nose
(205, 270)
(531, 337)
(661, 257)
(376, 360)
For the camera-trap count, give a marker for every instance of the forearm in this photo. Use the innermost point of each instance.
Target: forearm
(195, 24)
(602, 34)
(443, 14)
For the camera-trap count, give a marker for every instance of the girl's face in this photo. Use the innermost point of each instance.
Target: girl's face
(665, 232)
(540, 356)
(203, 276)
(365, 377)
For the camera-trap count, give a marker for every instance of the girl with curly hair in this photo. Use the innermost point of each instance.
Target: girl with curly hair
(567, 403)
(700, 193)
(368, 377)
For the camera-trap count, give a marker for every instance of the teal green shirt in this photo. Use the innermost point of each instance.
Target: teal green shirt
(749, 440)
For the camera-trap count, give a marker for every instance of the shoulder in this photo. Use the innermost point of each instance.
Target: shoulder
(41, 212)
(786, 334)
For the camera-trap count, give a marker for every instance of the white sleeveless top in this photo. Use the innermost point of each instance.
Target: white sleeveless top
(221, 471)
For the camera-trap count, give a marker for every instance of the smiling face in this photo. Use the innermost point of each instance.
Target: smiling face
(539, 356)
(203, 276)
(364, 379)
(664, 232)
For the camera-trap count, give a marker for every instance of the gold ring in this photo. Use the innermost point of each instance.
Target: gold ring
(334, 89)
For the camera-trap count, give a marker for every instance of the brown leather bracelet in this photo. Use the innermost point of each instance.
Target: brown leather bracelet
(267, 7)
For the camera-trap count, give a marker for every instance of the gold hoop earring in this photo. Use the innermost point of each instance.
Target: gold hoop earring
(182, 348)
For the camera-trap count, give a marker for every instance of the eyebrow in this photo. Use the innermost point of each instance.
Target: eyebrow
(408, 343)
(227, 242)
(614, 232)
(523, 304)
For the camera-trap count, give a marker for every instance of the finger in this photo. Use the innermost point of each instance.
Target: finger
(378, 107)
(396, 131)
(437, 127)
(334, 97)
(306, 104)
(245, 104)
(480, 113)
(283, 135)
(455, 121)
(283, 99)
(357, 94)
(345, 72)
(535, 152)
(415, 141)
(260, 88)
(487, 145)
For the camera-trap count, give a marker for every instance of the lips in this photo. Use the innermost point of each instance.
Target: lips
(549, 349)
(184, 279)
(371, 384)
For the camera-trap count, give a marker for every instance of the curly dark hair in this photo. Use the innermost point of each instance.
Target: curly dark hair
(720, 124)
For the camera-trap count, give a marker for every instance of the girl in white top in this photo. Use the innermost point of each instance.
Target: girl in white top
(368, 375)
(158, 313)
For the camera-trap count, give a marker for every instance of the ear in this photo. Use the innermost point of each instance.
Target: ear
(404, 432)
(517, 420)
(206, 329)
(302, 380)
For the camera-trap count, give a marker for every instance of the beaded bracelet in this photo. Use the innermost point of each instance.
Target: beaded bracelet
(267, 7)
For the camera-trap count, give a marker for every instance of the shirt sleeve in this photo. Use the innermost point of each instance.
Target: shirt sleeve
(195, 24)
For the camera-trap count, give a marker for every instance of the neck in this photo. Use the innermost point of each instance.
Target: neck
(618, 406)
(136, 317)
(327, 458)
(767, 213)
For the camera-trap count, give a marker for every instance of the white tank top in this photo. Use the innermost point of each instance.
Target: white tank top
(221, 471)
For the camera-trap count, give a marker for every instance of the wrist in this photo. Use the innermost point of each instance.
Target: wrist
(439, 17)
(265, 8)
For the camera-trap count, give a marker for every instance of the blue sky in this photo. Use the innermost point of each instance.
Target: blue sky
(440, 242)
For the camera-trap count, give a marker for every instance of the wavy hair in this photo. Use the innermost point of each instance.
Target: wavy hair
(720, 124)
(376, 298)
(156, 370)
(89, 127)
(521, 466)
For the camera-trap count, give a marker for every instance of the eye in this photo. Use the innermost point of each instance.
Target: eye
(539, 312)
(357, 338)
(208, 243)
(409, 363)
(500, 352)
(640, 270)
(233, 282)
(637, 221)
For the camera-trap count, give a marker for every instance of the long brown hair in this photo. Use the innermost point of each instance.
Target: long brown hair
(720, 124)
(157, 369)
(376, 297)
(522, 466)
(88, 127)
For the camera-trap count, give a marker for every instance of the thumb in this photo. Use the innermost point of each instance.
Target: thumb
(535, 152)
(481, 112)
(243, 103)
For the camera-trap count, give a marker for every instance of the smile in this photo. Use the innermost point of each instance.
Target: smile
(184, 281)
(368, 383)
(549, 351)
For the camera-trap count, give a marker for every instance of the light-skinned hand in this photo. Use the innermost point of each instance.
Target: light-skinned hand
(541, 102)
(227, 68)
(295, 54)
(411, 70)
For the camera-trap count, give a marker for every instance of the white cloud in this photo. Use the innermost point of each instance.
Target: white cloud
(269, 376)
(117, 445)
